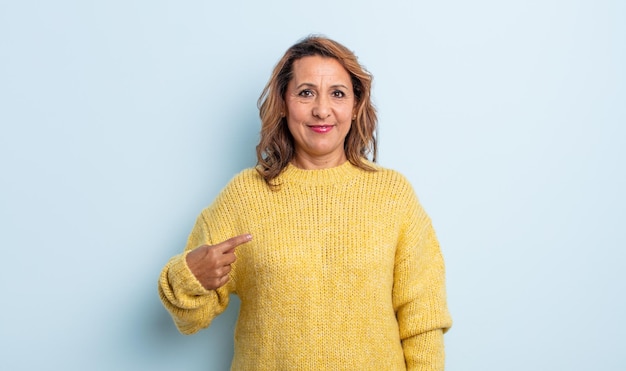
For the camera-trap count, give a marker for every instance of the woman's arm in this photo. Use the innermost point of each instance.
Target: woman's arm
(194, 286)
(419, 294)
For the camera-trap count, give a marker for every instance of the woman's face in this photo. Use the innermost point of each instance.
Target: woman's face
(319, 110)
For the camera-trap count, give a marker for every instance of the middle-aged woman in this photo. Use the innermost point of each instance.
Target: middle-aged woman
(336, 263)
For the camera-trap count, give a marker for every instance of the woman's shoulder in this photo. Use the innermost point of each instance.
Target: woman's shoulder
(239, 188)
(250, 173)
(392, 177)
(246, 178)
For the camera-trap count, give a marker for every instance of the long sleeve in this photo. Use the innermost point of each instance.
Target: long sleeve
(191, 306)
(419, 292)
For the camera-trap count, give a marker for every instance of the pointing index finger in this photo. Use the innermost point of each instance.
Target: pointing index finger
(230, 244)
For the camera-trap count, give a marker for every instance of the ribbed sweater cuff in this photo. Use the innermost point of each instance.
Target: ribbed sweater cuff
(181, 277)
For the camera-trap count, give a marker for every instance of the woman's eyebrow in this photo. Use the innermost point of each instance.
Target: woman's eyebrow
(311, 85)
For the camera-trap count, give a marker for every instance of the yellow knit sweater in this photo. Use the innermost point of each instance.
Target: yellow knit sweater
(344, 272)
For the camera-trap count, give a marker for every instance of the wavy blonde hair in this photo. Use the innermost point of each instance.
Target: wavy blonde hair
(276, 147)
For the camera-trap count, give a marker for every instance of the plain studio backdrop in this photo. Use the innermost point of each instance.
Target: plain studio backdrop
(121, 120)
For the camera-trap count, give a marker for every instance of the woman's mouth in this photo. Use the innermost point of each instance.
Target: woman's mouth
(321, 128)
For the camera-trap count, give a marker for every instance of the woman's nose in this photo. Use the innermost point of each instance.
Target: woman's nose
(321, 109)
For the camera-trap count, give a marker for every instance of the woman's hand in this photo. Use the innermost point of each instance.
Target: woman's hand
(211, 264)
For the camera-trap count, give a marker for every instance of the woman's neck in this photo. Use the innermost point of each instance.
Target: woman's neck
(305, 162)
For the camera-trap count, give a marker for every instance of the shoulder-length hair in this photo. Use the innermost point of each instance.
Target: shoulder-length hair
(276, 146)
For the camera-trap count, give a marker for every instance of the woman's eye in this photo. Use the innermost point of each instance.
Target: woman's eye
(338, 94)
(306, 93)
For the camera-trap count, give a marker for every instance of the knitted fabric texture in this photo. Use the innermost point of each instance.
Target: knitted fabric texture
(344, 272)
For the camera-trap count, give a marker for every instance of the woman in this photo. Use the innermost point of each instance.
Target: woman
(336, 263)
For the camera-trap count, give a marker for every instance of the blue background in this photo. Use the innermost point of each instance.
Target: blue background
(121, 120)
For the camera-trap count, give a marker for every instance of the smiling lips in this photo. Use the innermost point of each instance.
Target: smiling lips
(321, 128)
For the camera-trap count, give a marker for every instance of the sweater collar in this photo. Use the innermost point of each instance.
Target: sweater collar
(333, 175)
